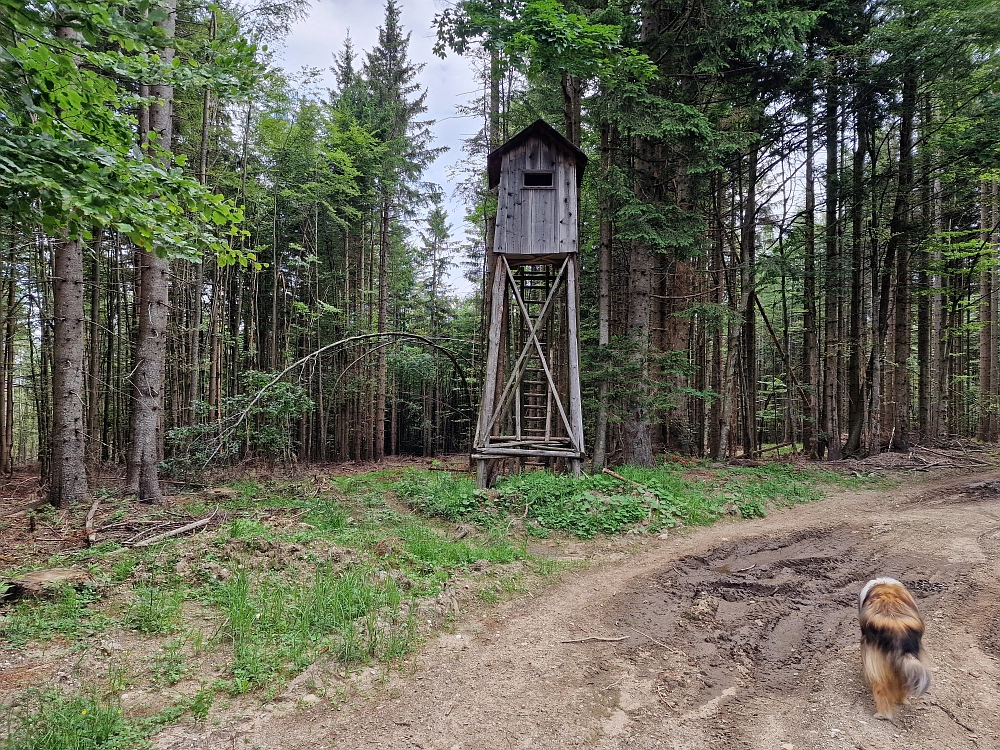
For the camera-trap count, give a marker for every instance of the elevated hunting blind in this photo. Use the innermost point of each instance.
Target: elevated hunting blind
(531, 408)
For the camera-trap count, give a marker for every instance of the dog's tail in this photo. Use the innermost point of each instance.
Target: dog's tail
(918, 677)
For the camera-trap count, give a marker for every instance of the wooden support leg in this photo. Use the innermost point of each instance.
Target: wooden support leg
(574, 466)
(573, 340)
(482, 474)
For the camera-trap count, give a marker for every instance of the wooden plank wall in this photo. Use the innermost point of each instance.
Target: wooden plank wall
(537, 221)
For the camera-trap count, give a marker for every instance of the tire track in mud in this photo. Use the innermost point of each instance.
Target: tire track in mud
(760, 623)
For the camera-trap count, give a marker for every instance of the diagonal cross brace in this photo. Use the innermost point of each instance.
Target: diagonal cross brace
(518, 369)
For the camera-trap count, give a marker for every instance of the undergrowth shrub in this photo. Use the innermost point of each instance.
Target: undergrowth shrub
(439, 493)
(585, 507)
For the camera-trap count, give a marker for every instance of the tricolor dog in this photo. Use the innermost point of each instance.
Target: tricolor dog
(891, 630)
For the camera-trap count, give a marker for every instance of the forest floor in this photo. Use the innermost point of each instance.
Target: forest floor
(742, 635)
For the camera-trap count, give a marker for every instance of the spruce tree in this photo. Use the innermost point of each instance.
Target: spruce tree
(396, 100)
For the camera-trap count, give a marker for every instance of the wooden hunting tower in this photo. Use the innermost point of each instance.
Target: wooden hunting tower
(531, 407)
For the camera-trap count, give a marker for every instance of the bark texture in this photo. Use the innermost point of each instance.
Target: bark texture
(153, 307)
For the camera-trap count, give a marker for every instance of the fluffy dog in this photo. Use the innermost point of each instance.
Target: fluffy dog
(891, 630)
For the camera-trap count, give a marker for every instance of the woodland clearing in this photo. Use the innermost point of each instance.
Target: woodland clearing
(742, 635)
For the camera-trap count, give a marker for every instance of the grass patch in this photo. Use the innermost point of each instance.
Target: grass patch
(277, 627)
(440, 493)
(51, 720)
(67, 613)
(169, 665)
(155, 611)
(430, 551)
(647, 499)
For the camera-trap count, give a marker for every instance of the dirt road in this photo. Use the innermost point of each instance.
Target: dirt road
(740, 636)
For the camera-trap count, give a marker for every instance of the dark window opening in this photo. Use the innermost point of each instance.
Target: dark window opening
(538, 179)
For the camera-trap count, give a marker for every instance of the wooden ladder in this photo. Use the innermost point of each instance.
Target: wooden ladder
(533, 404)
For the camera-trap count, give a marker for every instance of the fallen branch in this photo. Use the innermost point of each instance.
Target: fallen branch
(618, 476)
(641, 487)
(139, 534)
(595, 638)
(134, 522)
(174, 532)
(616, 681)
(761, 451)
(89, 525)
(952, 457)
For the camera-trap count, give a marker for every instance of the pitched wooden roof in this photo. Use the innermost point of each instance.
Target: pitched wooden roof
(537, 129)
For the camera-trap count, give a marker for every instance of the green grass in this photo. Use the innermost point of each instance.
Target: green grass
(649, 499)
(156, 610)
(440, 493)
(67, 613)
(277, 627)
(169, 665)
(52, 720)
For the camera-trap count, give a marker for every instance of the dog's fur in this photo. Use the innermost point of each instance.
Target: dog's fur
(891, 631)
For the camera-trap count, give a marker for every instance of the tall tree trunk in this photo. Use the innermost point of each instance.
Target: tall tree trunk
(748, 273)
(994, 425)
(810, 346)
(718, 295)
(68, 478)
(986, 316)
(856, 393)
(831, 348)
(748, 239)
(198, 284)
(925, 330)
(68, 472)
(93, 391)
(638, 440)
(153, 306)
(637, 428)
(383, 315)
(901, 231)
(572, 87)
(7, 367)
(603, 300)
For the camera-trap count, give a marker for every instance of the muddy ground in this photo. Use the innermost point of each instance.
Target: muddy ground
(740, 636)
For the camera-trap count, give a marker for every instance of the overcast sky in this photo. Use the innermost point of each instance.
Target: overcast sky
(449, 82)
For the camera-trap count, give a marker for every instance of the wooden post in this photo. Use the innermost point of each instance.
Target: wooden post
(573, 320)
(492, 358)
(573, 324)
